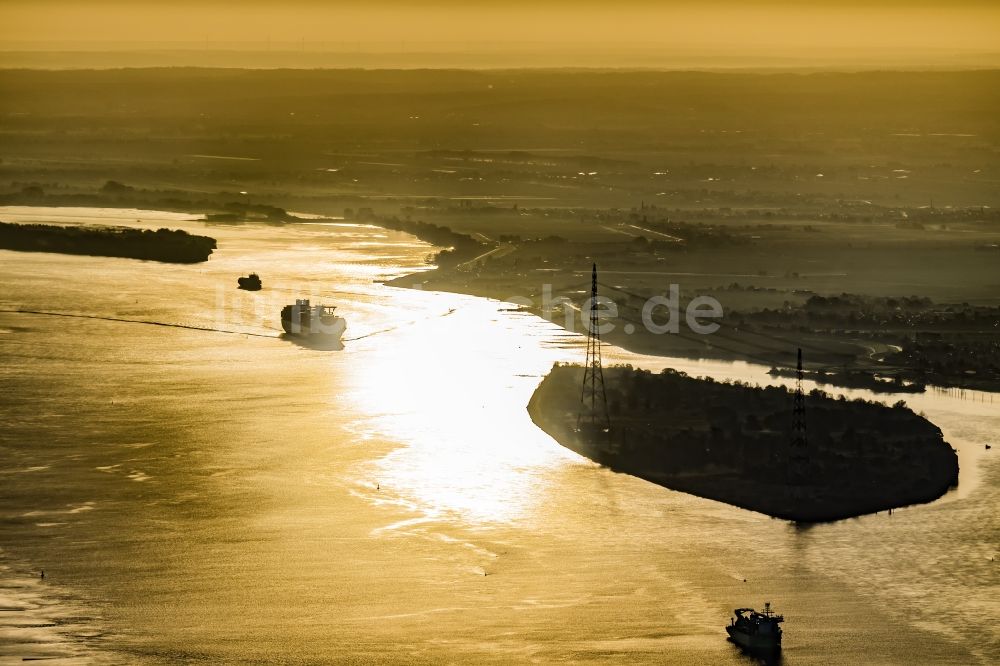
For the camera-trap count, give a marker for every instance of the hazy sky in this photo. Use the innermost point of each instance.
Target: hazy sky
(709, 25)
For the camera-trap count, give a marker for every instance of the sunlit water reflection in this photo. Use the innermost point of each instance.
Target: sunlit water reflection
(256, 499)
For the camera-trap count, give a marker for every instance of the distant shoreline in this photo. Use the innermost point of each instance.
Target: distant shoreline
(448, 58)
(640, 341)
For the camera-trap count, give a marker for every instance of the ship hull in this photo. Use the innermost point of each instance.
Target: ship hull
(332, 329)
(756, 642)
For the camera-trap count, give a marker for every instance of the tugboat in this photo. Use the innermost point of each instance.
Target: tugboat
(312, 321)
(756, 631)
(250, 282)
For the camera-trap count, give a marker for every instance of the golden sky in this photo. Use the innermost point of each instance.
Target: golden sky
(708, 26)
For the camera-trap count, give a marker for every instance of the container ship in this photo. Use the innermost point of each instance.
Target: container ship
(312, 321)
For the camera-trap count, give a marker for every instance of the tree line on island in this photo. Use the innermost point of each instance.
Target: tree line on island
(165, 245)
(730, 442)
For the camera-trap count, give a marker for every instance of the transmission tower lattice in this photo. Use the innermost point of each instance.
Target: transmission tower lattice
(798, 457)
(593, 397)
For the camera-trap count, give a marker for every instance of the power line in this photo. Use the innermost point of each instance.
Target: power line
(785, 341)
(138, 321)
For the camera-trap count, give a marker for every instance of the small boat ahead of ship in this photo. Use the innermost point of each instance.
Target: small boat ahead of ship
(312, 321)
(756, 631)
(250, 282)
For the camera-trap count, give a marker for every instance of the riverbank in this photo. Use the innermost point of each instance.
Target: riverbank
(731, 443)
(870, 355)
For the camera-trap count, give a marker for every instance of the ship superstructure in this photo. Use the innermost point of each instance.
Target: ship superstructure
(306, 320)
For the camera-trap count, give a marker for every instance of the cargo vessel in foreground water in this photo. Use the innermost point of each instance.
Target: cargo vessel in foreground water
(312, 321)
(756, 631)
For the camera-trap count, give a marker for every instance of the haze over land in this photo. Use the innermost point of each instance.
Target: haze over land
(446, 33)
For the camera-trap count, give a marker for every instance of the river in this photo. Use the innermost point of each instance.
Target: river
(219, 493)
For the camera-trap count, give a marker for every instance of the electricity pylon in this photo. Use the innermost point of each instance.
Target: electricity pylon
(798, 453)
(593, 397)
